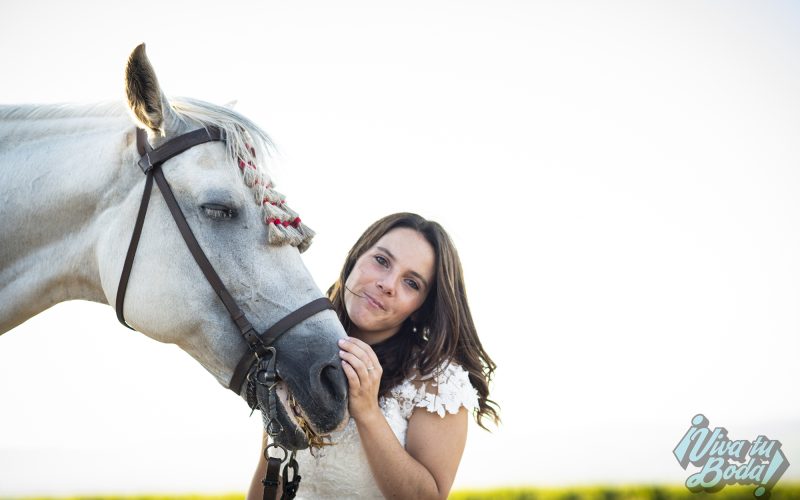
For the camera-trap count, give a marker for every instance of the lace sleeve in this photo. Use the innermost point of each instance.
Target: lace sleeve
(445, 391)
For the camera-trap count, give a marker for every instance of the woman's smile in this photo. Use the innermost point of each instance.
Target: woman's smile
(373, 302)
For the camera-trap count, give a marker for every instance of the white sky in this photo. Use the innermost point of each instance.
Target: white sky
(620, 179)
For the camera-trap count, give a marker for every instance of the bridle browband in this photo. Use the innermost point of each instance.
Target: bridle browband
(257, 365)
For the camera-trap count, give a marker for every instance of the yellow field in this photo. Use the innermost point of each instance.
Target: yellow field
(656, 492)
(783, 491)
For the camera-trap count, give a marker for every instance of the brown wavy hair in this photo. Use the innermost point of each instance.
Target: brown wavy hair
(444, 326)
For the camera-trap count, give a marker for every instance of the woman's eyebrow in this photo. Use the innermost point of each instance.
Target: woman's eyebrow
(387, 252)
(414, 273)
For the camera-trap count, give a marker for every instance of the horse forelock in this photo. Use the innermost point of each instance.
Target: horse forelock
(249, 147)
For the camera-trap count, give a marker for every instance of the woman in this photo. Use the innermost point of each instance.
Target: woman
(414, 364)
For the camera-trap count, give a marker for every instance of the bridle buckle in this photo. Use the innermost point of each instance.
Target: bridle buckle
(145, 164)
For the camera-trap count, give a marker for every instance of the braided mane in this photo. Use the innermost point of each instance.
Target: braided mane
(246, 143)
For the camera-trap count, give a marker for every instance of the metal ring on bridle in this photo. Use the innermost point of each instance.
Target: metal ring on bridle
(275, 445)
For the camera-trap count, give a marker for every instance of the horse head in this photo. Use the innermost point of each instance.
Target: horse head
(251, 237)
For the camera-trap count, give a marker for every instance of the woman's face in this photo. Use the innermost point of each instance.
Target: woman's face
(388, 283)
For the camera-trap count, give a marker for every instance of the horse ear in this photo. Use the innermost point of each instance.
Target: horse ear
(145, 99)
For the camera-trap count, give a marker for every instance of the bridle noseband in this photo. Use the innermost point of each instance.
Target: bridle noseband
(257, 366)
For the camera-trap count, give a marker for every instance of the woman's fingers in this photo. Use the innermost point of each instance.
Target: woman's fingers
(352, 376)
(356, 363)
(361, 367)
(366, 349)
(363, 352)
(357, 353)
(363, 372)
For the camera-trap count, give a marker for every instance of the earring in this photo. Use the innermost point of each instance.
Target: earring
(414, 329)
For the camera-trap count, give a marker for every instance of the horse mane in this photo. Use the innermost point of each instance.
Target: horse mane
(103, 109)
(248, 146)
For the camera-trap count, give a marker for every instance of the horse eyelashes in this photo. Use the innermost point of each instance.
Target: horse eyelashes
(218, 212)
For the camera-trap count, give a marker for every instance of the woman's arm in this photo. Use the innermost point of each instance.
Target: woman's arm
(427, 466)
(256, 491)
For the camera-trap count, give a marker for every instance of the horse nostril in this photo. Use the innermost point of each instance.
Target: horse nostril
(332, 379)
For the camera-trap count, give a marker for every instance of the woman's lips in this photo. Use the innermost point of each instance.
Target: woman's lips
(374, 302)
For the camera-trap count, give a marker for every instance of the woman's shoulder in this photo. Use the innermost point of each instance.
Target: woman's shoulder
(445, 389)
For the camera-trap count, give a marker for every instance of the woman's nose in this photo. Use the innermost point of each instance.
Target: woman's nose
(385, 285)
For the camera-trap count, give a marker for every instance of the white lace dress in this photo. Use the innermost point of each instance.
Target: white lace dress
(342, 471)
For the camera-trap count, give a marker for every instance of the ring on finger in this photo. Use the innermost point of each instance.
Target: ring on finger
(370, 368)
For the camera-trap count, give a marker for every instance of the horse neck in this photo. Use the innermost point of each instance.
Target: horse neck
(60, 170)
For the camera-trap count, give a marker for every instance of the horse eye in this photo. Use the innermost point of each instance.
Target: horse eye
(214, 211)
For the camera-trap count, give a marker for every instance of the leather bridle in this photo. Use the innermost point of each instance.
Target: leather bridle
(257, 365)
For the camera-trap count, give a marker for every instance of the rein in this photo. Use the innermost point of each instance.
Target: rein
(257, 367)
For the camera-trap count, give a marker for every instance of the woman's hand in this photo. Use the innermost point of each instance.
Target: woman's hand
(363, 372)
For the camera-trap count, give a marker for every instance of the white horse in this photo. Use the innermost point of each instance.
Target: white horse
(70, 189)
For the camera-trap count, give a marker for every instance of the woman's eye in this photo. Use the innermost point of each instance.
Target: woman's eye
(219, 212)
(413, 284)
(381, 260)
